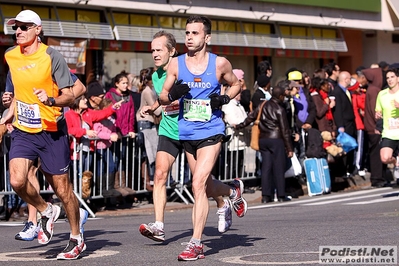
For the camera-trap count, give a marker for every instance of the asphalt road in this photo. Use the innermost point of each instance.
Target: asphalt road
(271, 234)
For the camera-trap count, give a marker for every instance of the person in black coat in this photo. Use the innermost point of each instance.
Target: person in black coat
(343, 115)
(274, 144)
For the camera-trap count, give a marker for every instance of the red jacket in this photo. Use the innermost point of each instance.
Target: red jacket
(89, 116)
(359, 102)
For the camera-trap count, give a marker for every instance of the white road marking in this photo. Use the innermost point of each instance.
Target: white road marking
(37, 255)
(240, 259)
(386, 199)
(328, 198)
(342, 200)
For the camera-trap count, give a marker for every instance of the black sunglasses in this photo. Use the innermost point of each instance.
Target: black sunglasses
(22, 27)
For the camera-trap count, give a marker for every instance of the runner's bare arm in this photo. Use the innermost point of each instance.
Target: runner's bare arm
(78, 89)
(9, 116)
(171, 76)
(65, 98)
(226, 72)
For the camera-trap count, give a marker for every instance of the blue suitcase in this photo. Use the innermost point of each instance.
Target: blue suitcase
(317, 176)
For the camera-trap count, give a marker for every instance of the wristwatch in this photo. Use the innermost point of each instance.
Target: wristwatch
(51, 101)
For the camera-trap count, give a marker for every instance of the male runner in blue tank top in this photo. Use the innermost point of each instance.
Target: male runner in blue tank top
(163, 47)
(201, 127)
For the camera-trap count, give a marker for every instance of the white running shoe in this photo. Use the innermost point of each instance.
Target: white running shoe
(73, 250)
(225, 219)
(29, 232)
(47, 225)
(152, 232)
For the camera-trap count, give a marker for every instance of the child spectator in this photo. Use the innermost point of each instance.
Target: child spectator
(106, 132)
(80, 120)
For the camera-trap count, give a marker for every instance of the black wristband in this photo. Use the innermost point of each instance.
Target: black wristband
(225, 99)
(51, 101)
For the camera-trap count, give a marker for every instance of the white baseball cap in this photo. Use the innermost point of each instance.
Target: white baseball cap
(26, 16)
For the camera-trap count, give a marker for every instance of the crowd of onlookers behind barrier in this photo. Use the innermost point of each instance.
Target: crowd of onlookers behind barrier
(113, 147)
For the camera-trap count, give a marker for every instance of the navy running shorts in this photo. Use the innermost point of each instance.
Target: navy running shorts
(51, 147)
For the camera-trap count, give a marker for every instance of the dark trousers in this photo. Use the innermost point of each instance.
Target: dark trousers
(376, 166)
(273, 166)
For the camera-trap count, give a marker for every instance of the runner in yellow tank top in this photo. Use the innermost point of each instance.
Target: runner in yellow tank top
(42, 86)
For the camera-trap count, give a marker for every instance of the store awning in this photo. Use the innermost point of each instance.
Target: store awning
(145, 34)
(72, 29)
(317, 44)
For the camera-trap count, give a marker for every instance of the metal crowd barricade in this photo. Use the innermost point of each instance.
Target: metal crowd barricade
(237, 160)
(91, 161)
(131, 165)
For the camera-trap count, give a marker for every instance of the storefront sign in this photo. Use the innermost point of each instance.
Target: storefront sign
(74, 52)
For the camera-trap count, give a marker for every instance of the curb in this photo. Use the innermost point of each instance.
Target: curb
(252, 199)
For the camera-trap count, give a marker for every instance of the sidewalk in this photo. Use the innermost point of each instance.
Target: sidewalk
(146, 208)
(356, 183)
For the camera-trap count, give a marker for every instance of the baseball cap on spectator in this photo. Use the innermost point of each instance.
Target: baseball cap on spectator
(295, 75)
(239, 73)
(26, 16)
(263, 81)
(383, 64)
(94, 89)
(353, 85)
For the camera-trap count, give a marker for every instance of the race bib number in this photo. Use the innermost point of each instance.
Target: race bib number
(28, 115)
(171, 109)
(197, 110)
(393, 123)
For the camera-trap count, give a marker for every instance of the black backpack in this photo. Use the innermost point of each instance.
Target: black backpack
(314, 144)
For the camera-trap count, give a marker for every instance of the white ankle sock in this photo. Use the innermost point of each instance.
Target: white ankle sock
(47, 212)
(77, 237)
(159, 224)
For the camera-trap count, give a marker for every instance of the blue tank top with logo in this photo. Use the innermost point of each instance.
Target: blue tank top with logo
(196, 119)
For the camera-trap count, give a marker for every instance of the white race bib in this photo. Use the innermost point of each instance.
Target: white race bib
(28, 115)
(197, 110)
(171, 109)
(393, 123)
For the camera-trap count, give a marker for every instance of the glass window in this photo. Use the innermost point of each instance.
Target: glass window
(295, 31)
(299, 31)
(10, 11)
(324, 33)
(43, 12)
(285, 30)
(88, 16)
(329, 33)
(65, 14)
(179, 23)
(248, 27)
(121, 18)
(316, 33)
(226, 26)
(140, 20)
(166, 22)
(262, 28)
(214, 25)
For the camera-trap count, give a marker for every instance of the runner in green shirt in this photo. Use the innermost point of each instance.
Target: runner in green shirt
(387, 108)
